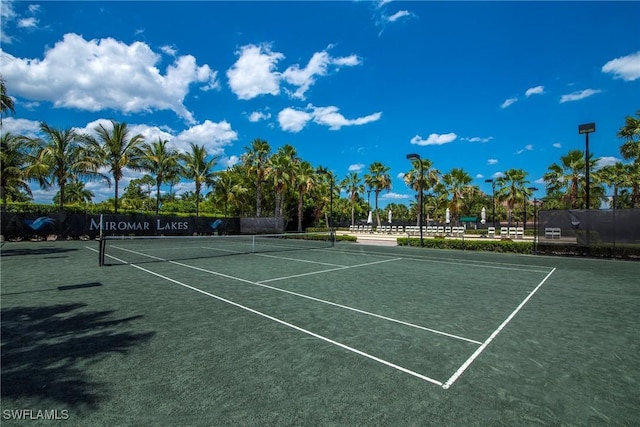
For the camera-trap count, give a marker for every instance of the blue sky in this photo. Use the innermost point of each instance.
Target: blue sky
(483, 86)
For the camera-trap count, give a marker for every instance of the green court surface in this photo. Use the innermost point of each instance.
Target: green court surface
(350, 335)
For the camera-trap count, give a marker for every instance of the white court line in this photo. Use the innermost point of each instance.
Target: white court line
(495, 333)
(457, 261)
(290, 325)
(345, 307)
(344, 267)
(299, 260)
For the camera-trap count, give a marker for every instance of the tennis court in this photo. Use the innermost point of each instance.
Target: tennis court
(351, 334)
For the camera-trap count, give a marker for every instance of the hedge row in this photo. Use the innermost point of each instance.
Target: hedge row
(473, 245)
(43, 209)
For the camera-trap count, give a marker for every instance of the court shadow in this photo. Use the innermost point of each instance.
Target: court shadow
(36, 251)
(46, 352)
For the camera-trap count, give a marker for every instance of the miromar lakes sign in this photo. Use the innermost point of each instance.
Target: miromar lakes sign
(76, 225)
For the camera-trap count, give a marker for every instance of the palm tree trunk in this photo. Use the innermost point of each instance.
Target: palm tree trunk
(258, 198)
(300, 205)
(61, 202)
(198, 188)
(115, 201)
(353, 212)
(157, 198)
(377, 212)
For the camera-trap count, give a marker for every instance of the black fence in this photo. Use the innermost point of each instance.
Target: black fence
(601, 232)
(71, 225)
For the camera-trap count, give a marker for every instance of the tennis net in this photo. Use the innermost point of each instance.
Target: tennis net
(143, 249)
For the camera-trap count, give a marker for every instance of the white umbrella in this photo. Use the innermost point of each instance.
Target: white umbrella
(389, 216)
(370, 218)
(447, 216)
(483, 216)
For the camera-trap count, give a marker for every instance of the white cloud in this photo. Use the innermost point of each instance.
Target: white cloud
(606, 161)
(30, 22)
(434, 139)
(479, 176)
(329, 116)
(102, 74)
(578, 95)
(213, 136)
(256, 116)
(253, 74)
(557, 145)
(394, 196)
(508, 102)
(538, 90)
(626, 68)
(169, 50)
(492, 161)
(477, 139)
(357, 167)
(399, 14)
(22, 127)
(497, 175)
(318, 65)
(400, 175)
(293, 120)
(528, 147)
(227, 162)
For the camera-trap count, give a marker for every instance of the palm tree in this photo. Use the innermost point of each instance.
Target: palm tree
(61, 158)
(6, 102)
(230, 190)
(13, 160)
(323, 195)
(512, 188)
(630, 150)
(568, 180)
(199, 169)
(456, 183)
(353, 184)
(379, 179)
(281, 169)
(75, 193)
(115, 149)
(256, 159)
(161, 161)
(430, 178)
(305, 180)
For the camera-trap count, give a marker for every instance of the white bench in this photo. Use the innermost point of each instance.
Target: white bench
(552, 233)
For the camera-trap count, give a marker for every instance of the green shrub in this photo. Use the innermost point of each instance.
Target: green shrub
(473, 245)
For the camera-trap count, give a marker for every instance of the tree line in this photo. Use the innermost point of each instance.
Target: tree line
(281, 184)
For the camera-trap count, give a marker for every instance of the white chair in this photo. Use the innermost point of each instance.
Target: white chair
(504, 232)
(519, 232)
(512, 232)
(491, 231)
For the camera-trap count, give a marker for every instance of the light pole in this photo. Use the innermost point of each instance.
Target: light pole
(535, 220)
(493, 200)
(586, 129)
(416, 157)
